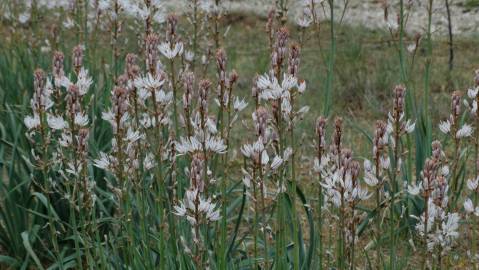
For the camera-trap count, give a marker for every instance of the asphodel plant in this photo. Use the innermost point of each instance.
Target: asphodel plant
(150, 163)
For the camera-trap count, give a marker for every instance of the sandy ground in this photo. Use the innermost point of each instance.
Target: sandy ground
(370, 13)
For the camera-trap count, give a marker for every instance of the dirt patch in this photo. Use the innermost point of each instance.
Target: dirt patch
(370, 13)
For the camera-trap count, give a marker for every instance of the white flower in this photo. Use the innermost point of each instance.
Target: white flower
(468, 206)
(215, 145)
(264, 157)
(302, 87)
(108, 116)
(68, 23)
(474, 107)
(104, 5)
(472, 92)
(472, 184)
(191, 220)
(304, 21)
(445, 126)
(286, 107)
(171, 52)
(464, 131)
(266, 82)
(133, 136)
(70, 168)
(410, 126)
(384, 162)
(368, 166)
(64, 82)
(103, 162)
(335, 197)
(270, 87)
(239, 104)
(163, 98)
(289, 81)
(190, 198)
(370, 179)
(188, 208)
(445, 170)
(81, 119)
(247, 180)
(56, 122)
(287, 153)
(149, 82)
(192, 144)
(303, 110)
(213, 215)
(46, 49)
(188, 145)
(361, 194)
(211, 125)
(65, 140)
(249, 150)
(83, 82)
(179, 210)
(414, 189)
(24, 17)
(277, 161)
(149, 161)
(32, 122)
(144, 94)
(411, 47)
(451, 225)
(159, 17)
(392, 24)
(189, 56)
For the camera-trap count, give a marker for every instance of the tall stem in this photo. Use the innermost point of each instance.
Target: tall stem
(378, 215)
(44, 169)
(426, 216)
(173, 83)
(255, 228)
(449, 28)
(320, 220)
(115, 50)
(293, 192)
(195, 33)
(216, 25)
(330, 78)
(264, 213)
(160, 181)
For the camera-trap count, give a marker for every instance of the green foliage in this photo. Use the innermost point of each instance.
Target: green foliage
(349, 72)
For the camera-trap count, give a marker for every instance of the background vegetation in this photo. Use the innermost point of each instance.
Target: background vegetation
(367, 65)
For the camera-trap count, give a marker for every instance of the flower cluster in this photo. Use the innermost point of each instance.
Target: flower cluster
(341, 185)
(452, 124)
(437, 224)
(374, 173)
(64, 133)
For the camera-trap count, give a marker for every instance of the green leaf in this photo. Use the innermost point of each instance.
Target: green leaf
(28, 247)
(12, 262)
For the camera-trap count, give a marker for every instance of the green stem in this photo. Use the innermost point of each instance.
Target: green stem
(320, 224)
(173, 83)
(293, 194)
(255, 222)
(264, 213)
(378, 213)
(330, 78)
(426, 214)
(195, 33)
(160, 192)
